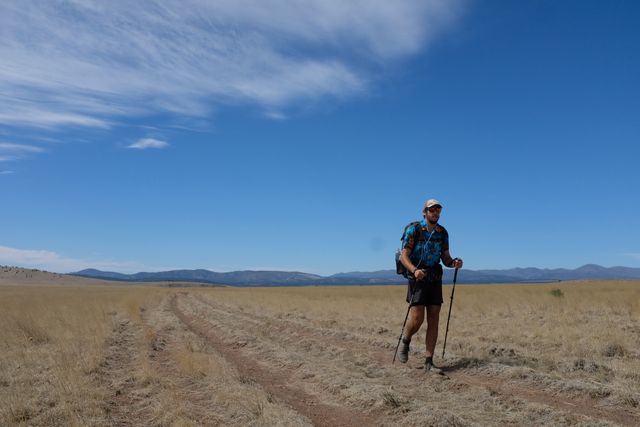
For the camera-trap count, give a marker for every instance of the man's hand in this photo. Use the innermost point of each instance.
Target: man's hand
(457, 263)
(419, 274)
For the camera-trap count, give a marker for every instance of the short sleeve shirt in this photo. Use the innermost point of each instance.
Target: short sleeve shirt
(427, 250)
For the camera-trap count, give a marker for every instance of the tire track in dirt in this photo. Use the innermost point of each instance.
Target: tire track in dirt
(585, 406)
(191, 392)
(276, 381)
(124, 404)
(299, 331)
(581, 406)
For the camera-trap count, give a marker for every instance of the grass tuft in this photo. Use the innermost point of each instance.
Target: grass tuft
(32, 331)
(556, 293)
(614, 350)
(391, 400)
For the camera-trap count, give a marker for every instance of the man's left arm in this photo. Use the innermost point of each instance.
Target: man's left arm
(449, 261)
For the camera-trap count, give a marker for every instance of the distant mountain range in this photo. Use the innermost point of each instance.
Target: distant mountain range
(294, 278)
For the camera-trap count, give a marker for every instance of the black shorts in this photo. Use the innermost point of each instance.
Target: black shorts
(425, 292)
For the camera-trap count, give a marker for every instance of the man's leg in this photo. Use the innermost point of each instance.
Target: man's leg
(433, 319)
(416, 317)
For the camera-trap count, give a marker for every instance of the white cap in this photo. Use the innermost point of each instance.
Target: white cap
(431, 202)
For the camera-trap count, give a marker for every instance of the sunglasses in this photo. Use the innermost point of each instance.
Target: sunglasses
(434, 209)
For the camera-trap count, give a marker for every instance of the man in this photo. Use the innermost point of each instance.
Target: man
(423, 247)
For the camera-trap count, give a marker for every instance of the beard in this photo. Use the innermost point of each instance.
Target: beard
(432, 221)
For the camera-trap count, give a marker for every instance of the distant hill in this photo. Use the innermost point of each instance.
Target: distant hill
(295, 278)
(237, 278)
(19, 276)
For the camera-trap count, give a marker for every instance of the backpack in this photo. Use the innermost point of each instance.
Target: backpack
(400, 268)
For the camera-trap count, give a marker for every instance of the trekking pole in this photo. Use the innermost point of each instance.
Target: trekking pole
(444, 347)
(404, 323)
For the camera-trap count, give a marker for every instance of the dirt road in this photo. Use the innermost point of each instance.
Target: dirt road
(289, 370)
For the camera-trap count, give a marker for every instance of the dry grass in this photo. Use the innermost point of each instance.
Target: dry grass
(574, 338)
(52, 338)
(598, 321)
(60, 349)
(60, 364)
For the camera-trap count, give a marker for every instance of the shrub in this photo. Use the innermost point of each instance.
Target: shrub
(556, 293)
(613, 350)
(391, 399)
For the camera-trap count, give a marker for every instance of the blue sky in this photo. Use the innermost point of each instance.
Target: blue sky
(304, 135)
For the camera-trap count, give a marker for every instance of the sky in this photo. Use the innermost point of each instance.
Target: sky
(304, 135)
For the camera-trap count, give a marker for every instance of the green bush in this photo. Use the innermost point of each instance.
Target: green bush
(556, 293)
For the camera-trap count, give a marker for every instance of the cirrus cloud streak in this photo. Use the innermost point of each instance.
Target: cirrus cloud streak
(91, 63)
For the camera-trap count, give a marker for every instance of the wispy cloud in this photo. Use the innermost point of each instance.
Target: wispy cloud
(145, 143)
(51, 261)
(6, 172)
(275, 115)
(7, 146)
(10, 151)
(32, 115)
(92, 63)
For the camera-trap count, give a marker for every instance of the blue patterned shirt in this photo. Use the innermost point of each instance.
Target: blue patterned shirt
(427, 251)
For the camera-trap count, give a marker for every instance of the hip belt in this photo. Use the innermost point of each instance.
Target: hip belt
(431, 274)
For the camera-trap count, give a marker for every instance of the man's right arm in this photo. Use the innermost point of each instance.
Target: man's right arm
(407, 247)
(404, 259)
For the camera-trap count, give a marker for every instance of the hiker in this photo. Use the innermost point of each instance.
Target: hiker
(423, 246)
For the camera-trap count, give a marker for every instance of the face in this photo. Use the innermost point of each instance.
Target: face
(432, 214)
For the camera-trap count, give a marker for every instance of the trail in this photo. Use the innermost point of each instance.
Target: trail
(276, 381)
(327, 375)
(377, 354)
(189, 392)
(125, 400)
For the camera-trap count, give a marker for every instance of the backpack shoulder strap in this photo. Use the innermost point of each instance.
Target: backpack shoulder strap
(415, 224)
(419, 234)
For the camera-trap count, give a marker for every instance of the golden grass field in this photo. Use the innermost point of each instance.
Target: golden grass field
(99, 353)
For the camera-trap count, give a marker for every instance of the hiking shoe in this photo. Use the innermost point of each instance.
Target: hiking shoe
(430, 367)
(403, 354)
